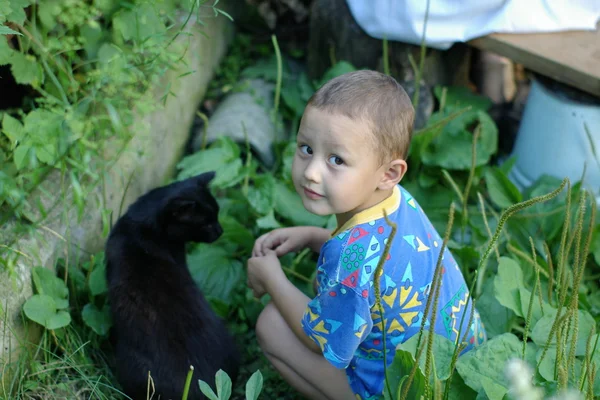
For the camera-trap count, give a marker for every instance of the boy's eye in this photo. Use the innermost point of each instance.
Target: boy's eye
(306, 149)
(336, 160)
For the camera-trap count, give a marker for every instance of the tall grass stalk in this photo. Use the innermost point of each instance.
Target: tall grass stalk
(376, 283)
(432, 292)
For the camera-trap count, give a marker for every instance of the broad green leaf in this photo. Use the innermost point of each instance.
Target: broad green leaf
(41, 308)
(260, 194)
(460, 96)
(139, 23)
(254, 385)
(289, 205)
(341, 68)
(12, 128)
(452, 149)
(6, 53)
(502, 191)
(223, 384)
(459, 389)
(483, 367)
(595, 245)
(99, 320)
(268, 221)
(26, 70)
(46, 153)
(97, 282)
(507, 283)
(47, 12)
(537, 311)
(205, 160)
(443, 349)
(17, 14)
(47, 283)
(265, 68)
(228, 175)
(234, 232)
(5, 30)
(397, 372)
(215, 272)
(495, 317)
(548, 364)
(541, 330)
(206, 389)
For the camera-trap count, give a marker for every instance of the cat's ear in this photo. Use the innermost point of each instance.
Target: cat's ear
(181, 209)
(205, 178)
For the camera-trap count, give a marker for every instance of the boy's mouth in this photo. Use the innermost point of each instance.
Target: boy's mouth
(312, 194)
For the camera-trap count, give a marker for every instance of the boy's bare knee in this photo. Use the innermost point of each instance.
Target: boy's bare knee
(267, 322)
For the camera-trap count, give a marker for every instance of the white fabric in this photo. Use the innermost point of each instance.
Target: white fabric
(461, 20)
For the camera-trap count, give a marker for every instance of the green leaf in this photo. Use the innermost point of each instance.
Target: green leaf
(214, 271)
(289, 205)
(5, 30)
(443, 348)
(502, 191)
(268, 221)
(26, 70)
(452, 149)
(507, 283)
(397, 372)
(483, 367)
(537, 311)
(260, 195)
(541, 330)
(254, 385)
(6, 52)
(17, 14)
(234, 232)
(595, 244)
(495, 317)
(460, 97)
(223, 384)
(228, 175)
(221, 153)
(459, 389)
(99, 320)
(97, 281)
(47, 283)
(12, 128)
(206, 389)
(139, 23)
(41, 308)
(341, 68)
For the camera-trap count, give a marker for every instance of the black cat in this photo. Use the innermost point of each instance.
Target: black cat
(162, 323)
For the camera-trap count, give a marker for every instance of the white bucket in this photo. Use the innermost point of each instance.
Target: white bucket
(552, 139)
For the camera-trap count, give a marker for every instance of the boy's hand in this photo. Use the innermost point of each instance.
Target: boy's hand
(264, 272)
(285, 240)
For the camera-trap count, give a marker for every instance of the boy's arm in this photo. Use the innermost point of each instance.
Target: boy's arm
(317, 238)
(292, 304)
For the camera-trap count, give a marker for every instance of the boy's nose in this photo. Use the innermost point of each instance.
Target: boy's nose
(311, 172)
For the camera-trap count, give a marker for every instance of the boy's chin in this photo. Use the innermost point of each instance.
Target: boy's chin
(314, 208)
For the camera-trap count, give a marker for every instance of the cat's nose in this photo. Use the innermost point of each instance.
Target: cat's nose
(218, 229)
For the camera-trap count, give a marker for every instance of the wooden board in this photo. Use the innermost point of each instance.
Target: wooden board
(571, 57)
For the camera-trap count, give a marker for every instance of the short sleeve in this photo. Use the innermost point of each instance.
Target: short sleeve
(338, 320)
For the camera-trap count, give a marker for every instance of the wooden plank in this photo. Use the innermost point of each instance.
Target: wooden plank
(571, 57)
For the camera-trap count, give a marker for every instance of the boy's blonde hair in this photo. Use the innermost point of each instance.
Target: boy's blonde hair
(377, 99)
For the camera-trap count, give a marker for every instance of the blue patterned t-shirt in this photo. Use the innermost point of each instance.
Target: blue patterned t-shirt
(343, 318)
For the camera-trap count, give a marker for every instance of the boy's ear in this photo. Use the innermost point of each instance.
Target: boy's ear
(393, 174)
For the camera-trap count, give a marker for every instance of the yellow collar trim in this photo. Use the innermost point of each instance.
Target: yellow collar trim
(390, 205)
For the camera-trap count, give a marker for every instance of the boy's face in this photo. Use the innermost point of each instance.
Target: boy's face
(336, 169)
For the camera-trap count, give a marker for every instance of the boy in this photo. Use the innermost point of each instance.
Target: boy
(352, 144)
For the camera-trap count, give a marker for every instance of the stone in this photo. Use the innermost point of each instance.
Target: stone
(249, 109)
(148, 161)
